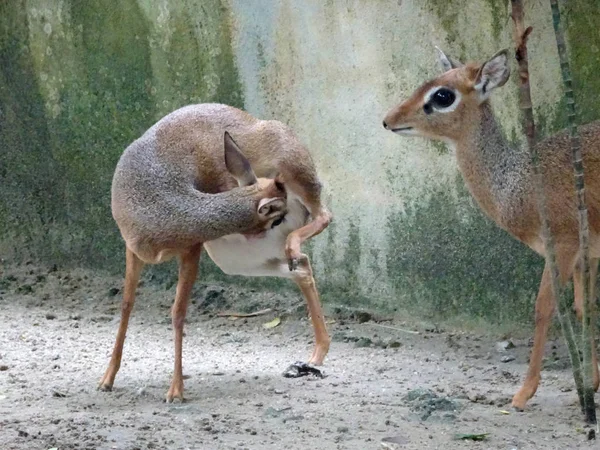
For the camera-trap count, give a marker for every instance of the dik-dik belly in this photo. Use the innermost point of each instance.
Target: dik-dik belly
(237, 254)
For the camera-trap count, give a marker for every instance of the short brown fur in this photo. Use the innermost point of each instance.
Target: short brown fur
(500, 179)
(173, 191)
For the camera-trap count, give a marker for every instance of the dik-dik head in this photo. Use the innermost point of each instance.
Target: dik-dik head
(442, 107)
(269, 194)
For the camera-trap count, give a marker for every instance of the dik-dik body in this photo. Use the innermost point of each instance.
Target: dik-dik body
(455, 108)
(186, 185)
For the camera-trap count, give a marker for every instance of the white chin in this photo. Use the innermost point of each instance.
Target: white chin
(410, 132)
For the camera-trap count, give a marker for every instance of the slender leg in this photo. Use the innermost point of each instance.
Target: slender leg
(278, 267)
(188, 270)
(544, 310)
(303, 277)
(132, 275)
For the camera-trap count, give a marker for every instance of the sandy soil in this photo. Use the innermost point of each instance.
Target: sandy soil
(57, 330)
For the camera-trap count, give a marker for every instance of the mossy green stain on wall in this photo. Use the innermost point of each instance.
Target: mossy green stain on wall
(449, 259)
(70, 104)
(580, 19)
(450, 11)
(24, 135)
(72, 101)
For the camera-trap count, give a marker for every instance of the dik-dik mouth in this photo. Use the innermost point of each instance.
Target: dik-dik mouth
(403, 130)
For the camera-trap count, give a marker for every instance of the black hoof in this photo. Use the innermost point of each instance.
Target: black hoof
(302, 369)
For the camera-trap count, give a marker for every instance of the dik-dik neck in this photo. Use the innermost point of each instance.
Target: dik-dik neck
(496, 173)
(224, 213)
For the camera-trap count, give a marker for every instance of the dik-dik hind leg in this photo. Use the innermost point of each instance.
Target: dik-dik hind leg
(544, 310)
(188, 270)
(578, 285)
(133, 269)
(303, 277)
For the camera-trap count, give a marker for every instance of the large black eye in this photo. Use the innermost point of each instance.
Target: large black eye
(443, 98)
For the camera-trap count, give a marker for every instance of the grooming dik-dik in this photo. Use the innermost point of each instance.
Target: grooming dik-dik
(455, 108)
(186, 185)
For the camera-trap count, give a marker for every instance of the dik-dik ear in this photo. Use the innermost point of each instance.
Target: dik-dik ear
(492, 74)
(446, 62)
(237, 164)
(269, 207)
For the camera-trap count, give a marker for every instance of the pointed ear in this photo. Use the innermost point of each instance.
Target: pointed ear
(492, 74)
(446, 62)
(269, 207)
(237, 164)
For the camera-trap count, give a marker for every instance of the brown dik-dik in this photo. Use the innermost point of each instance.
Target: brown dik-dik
(185, 184)
(454, 108)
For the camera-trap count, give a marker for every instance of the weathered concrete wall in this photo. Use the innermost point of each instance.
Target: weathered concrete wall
(80, 80)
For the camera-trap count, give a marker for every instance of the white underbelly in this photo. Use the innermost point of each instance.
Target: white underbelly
(236, 254)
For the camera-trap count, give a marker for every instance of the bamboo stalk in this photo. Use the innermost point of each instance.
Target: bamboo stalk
(589, 406)
(520, 35)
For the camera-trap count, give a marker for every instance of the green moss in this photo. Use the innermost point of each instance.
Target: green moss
(499, 10)
(72, 101)
(341, 282)
(581, 18)
(230, 90)
(584, 59)
(447, 259)
(449, 11)
(29, 176)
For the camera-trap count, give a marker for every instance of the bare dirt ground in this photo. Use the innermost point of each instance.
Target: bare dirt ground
(57, 330)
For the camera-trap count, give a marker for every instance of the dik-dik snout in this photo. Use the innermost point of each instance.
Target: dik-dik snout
(271, 204)
(440, 107)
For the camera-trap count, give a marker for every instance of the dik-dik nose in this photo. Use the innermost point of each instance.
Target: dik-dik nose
(385, 125)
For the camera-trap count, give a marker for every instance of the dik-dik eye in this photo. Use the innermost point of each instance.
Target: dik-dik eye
(443, 98)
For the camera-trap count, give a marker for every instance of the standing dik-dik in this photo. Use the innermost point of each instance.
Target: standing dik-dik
(454, 108)
(175, 190)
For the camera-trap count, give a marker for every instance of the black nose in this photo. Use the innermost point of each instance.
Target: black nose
(385, 125)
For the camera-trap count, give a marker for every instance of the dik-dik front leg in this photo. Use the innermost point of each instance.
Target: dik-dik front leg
(188, 270)
(544, 310)
(133, 269)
